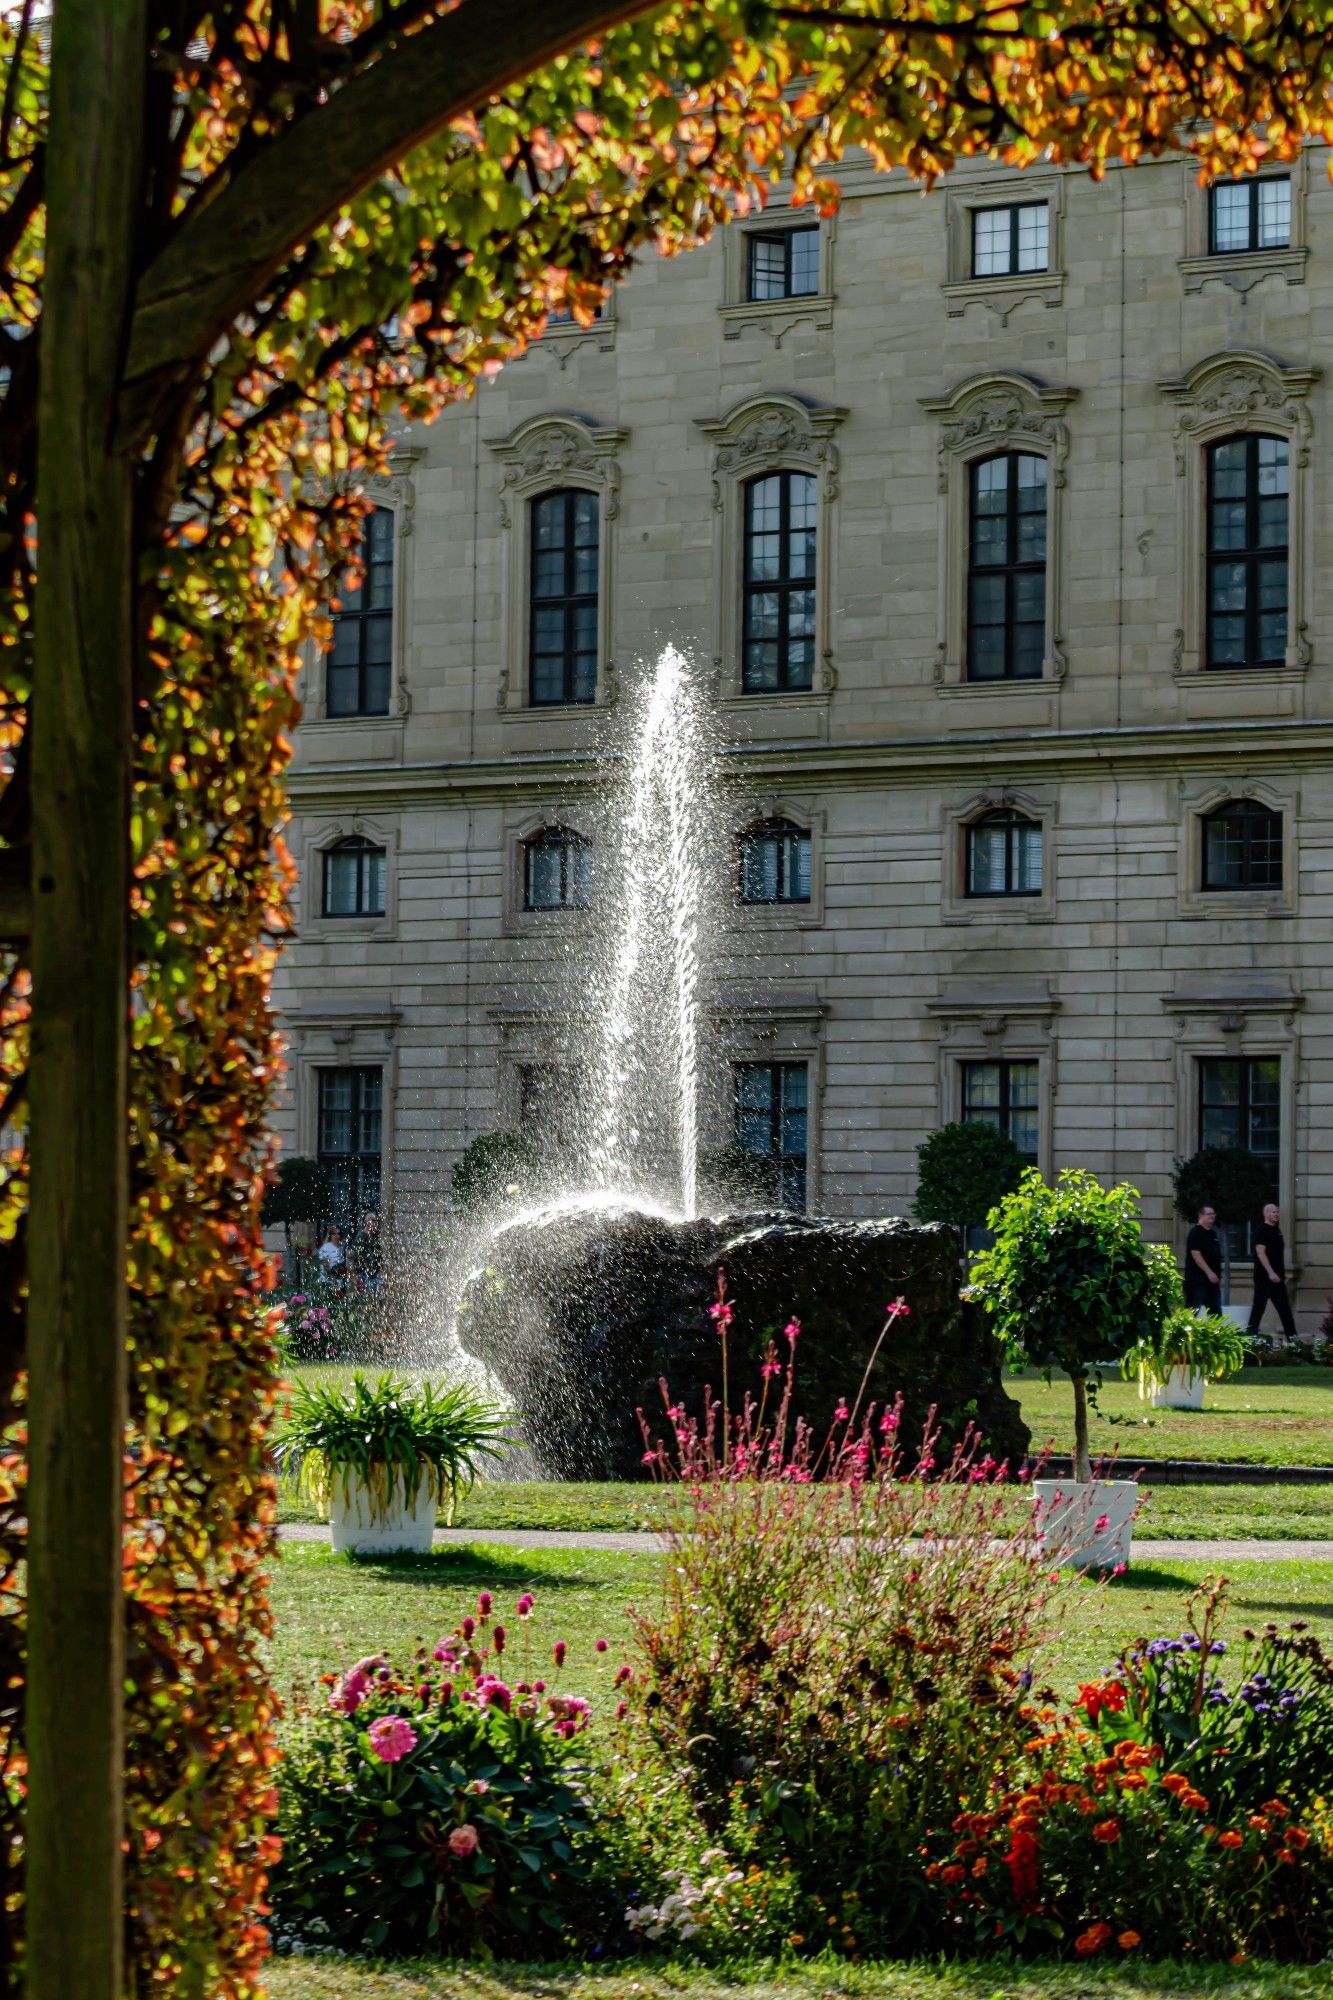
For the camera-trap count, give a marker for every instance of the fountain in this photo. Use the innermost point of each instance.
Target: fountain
(580, 1303)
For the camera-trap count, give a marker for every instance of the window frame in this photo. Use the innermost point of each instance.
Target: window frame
(1006, 1107)
(1014, 821)
(358, 1155)
(787, 834)
(361, 617)
(569, 842)
(784, 235)
(1251, 185)
(785, 587)
(1011, 569)
(366, 851)
(778, 1068)
(1254, 555)
(1014, 210)
(1251, 813)
(570, 601)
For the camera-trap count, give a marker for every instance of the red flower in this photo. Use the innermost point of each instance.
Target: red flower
(1090, 1941)
(1022, 1861)
(1107, 1831)
(1094, 1696)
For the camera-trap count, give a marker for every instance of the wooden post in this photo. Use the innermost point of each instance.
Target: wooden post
(81, 734)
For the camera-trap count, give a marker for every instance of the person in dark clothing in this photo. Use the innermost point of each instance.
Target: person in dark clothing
(1203, 1262)
(1270, 1274)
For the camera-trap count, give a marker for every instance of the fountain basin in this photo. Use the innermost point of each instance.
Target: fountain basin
(579, 1312)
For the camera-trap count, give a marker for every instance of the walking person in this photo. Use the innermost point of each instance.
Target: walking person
(1270, 1275)
(1203, 1262)
(368, 1255)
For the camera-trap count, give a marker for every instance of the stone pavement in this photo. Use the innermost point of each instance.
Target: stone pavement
(632, 1543)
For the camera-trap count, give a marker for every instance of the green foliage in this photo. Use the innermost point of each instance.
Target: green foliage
(327, 1323)
(300, 1193)
(486, 1171)
(1203, 1343)
(389, 1437)
(964, 1171)
(1229, 1178)
(475, 1840)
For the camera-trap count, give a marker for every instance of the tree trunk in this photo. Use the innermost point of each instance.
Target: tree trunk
(1082, 1461)
(81, 735)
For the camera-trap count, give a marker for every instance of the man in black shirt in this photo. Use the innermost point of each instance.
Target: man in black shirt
(1203, 1262)
(1270, 1274)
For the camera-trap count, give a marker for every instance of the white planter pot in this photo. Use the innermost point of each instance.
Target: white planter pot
(1183, 1390)
(404, 1526)
(1066, 1517)
(1238, 1315)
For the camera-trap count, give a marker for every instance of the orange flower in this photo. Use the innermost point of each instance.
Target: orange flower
(1127, 1940)
(1107, 1831)
(952, 1874)
(1231, 1839)
(1298, 1838)
(979, 1866)
(1091, 1940)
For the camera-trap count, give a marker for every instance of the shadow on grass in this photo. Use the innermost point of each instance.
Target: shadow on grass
(487, 1565)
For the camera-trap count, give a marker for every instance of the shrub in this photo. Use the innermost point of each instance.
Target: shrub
(836, 1659)
(326, 1324)
(299, 1192)
(388, 1437)
(963, 1172)
(1070, 1282)
(486, 1171)
(436, 1808)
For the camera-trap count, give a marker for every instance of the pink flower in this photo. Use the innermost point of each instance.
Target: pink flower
(770, 1369)
(622, 1675)
(622, 1710)
(1120, 1569)
(468, 1627)
(888, 1423)
(464, 1840)
(525, 1604)
(558, 1652)
(494, 1693)
(539, 1687)
(842, 1413)
(793, 1330)
(350, 1692)
(479, 1788)
(601, 1645)
(1101, 1524)
(721, 1315)
(484, 1603)
(446, 1692)
(649, 1458)
(391, 1738)
(499, 1636)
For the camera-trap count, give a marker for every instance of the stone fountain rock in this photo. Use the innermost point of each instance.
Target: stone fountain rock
(580, 1313)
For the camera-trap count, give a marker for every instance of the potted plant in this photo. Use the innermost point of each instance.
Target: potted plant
(1189, 1349)
(384, 1458)
(1070, 1284)
(963, 1171)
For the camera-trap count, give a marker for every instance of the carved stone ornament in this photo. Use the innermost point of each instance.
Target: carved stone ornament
(547, 449)
(1007, 410)
(773, 430)
(1245, 389)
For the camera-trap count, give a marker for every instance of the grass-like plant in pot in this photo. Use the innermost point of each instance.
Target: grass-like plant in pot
(1185, 1350)
(1070, 1284)
(385, 1457)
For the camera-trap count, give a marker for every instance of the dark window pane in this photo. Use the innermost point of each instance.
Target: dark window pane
(778, 622)
(1007, 567)
(358, 671)
(1247, 551)
(563, 592)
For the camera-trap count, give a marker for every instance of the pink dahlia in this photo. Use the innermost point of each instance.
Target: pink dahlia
(464, 1840)
(391, 1738)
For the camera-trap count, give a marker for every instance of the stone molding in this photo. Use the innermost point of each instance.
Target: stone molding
(1002, 296)
(1000, 410)
(1234, 391)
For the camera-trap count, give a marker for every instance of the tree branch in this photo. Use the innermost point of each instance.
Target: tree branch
(220, 260)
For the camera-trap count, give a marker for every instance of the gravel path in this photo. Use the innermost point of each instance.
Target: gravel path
(639, 1543)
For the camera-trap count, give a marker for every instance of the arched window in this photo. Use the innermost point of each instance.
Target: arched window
(1004, 855)
(1242, 846)
(354, 873)
(1006, 568)
(778, 638)
(1248, 491)
(360, 662)
(557, 870)
(563, 597)
(774, 863)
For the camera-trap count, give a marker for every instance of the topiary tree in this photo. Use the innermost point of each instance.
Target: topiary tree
(486, 1170)
(964, 1171)
(299, 1193)
(1070, 1282)
(1234, 1182)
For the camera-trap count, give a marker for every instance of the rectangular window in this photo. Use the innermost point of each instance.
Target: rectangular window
(1250, 215)
(778, 640)
(1008, 242)
(1248, 496)
(1004, 1094)
(1240, 1104)
(359, 669)
(350, 1109)
(1006, 568)
(782, 264)
(565, 528)
(772, 1109)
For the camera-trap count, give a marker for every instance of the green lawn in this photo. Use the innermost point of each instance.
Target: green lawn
(342, 1979)
(1265, 1416)
(330, 1610)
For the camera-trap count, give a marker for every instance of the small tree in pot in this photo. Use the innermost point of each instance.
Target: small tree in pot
(1070, 1283)
(1234, 1182)
(964, 1171)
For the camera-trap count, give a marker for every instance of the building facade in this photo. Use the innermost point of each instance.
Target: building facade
(998, 518)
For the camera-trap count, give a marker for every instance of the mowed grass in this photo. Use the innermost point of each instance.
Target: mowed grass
(1263, 1416)
(330, 1610)
(993, 1979)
